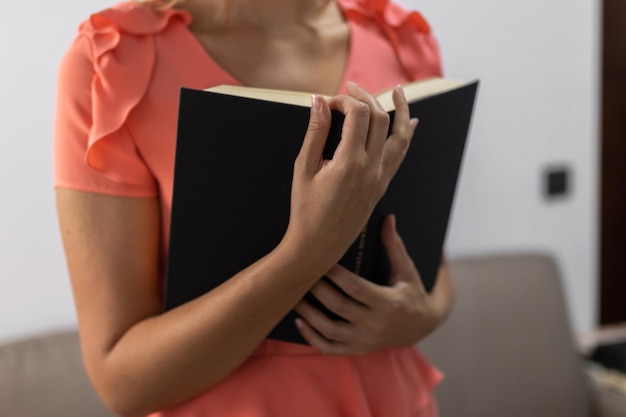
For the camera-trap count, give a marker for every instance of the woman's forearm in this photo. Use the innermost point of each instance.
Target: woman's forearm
(199, 343)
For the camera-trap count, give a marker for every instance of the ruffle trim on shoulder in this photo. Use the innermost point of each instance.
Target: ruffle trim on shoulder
(123, 55)
(407, 31)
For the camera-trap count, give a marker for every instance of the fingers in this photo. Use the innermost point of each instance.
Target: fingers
(357, 334)
(400, 262)
(356, 124)
(396, 251)
(402, 116)
(394, 316)
(330, 329)
(379, 118)
(310, 156)
(335, 337)
(345, 307)
(357, 288)
(396, 146)
(323, 345)
(366, 126)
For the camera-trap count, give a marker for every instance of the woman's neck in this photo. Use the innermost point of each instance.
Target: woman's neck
(262, 15)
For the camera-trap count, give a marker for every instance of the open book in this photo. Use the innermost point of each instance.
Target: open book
(232, 183)
(413, 91)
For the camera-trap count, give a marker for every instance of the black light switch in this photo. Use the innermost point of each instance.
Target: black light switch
(557, 182)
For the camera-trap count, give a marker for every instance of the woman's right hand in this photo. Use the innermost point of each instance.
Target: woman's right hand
(333, 199)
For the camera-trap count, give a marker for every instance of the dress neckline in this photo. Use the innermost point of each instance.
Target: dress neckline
(213, 67)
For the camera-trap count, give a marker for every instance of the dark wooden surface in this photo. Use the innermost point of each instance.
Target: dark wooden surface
(613, 165)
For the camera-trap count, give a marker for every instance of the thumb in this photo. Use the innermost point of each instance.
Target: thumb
(310, 156)
(401, 265)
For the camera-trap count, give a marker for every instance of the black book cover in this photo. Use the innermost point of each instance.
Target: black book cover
(232, 187)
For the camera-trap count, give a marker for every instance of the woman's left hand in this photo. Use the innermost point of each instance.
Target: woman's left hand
(376, 316)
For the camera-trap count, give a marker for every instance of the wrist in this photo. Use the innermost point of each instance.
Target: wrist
(307, 261)
(309, 253)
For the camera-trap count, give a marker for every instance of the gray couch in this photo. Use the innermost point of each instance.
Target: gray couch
(44, 377)
(506, 350)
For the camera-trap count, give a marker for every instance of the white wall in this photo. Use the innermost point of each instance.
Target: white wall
(34, 289)
(538, 62)
(538, 105)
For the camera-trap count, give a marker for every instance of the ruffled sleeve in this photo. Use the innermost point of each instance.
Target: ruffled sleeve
(407, 31)
(102, 78)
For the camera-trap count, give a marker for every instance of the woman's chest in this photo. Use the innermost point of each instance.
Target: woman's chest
(296, 60)
(181, 61)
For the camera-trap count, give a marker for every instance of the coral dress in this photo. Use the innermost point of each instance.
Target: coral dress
(115, 134)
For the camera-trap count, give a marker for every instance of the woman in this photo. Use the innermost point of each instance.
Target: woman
(114, 150)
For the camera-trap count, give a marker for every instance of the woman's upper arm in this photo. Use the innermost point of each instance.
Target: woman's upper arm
(112, 248)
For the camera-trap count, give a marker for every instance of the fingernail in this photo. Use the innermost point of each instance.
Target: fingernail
(299, 323)
(413, 122)
(316, 104)
(401, 91)
(352, 83)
